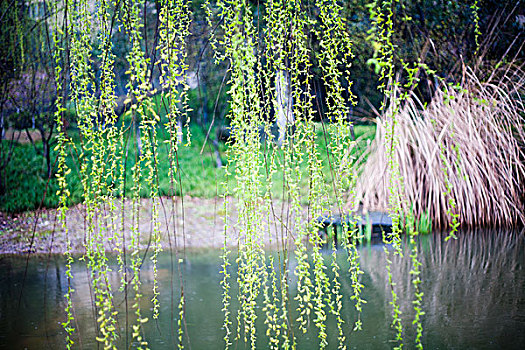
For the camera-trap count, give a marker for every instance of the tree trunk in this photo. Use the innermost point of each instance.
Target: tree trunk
(46, 147)
(47, 155)
(284, 115)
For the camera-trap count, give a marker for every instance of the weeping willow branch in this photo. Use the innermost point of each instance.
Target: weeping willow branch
(271, 75)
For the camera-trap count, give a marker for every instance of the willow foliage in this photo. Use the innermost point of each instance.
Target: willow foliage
(271, 57)
(63, 170)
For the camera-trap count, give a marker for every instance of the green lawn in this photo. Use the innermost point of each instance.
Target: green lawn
(199, 177)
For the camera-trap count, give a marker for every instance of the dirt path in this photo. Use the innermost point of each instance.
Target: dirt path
(199, 225)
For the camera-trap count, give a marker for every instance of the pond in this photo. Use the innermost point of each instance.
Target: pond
(474, 298)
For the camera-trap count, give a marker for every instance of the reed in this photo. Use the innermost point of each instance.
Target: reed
(470, 135)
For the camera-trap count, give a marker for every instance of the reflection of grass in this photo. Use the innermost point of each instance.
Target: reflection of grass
(199, 176)
(478, 277)
(368, 229)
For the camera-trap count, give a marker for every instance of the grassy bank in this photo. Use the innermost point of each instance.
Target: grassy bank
(26, 181)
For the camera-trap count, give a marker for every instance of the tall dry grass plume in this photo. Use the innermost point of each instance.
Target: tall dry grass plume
(474, 136)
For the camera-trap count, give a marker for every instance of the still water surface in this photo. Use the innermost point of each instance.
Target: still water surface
(474, 298)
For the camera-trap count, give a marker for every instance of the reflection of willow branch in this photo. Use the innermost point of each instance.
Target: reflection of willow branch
(476, 278)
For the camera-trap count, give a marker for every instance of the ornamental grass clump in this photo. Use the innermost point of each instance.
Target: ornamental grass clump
(461, 157)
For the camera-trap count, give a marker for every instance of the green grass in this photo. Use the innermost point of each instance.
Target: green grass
(199, 177)
(25, 181)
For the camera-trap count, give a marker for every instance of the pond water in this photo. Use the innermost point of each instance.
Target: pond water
(474, 298)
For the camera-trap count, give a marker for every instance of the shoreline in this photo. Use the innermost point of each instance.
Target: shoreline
(199, 224)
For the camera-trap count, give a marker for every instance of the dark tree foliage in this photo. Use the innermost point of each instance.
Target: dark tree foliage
(27, 91)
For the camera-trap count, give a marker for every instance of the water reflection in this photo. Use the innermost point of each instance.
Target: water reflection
(474, 288)
(474, 298)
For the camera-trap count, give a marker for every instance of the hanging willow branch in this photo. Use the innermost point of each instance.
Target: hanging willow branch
(62, 169)
(270, 87)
